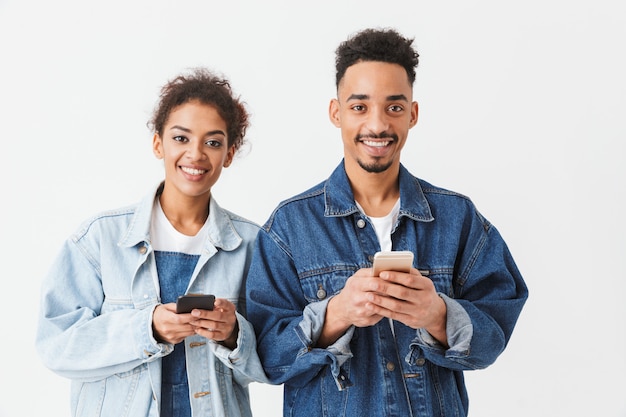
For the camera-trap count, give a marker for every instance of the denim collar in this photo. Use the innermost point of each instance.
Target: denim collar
(222, 233)
(339, 198)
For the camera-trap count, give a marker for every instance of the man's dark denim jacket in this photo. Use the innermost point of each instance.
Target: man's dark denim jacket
(314, 242)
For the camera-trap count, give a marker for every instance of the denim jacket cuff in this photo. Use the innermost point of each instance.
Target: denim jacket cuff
(152, 349)
(311, 329)
(240, 354)
(341, 353)
(459, 328)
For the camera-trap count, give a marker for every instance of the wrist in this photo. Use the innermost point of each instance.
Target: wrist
(334, 326)
(438, 329)
(231, 341)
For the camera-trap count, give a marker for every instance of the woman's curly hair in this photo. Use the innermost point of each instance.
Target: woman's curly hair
(207, 88)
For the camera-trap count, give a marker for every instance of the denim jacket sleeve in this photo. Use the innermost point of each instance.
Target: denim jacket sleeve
(458, 328)
(286, 325)
(74, 339)
(309, 331)
(488, 297)
(243, 360)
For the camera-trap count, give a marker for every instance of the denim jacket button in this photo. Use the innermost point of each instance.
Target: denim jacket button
(321, 294)
(143, 250)
(360, 223)
(420, 362)
(390, 366)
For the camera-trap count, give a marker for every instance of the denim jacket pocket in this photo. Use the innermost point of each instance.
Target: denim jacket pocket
(321, 283)
(110, 305)
(123, 387)
(442, 278)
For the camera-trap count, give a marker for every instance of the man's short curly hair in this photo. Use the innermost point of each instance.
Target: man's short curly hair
(382, 45)
(207, 88)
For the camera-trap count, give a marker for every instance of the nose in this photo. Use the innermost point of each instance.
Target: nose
(377, 120)
(195, 151)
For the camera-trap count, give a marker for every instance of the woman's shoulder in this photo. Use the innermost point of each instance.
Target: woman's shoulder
(110, 219)
(119, 220)
(242, 223)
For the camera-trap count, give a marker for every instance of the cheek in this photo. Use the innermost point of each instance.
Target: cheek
(170, 162)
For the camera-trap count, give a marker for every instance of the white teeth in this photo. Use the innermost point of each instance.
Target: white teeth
(193, 171)
(376, 144)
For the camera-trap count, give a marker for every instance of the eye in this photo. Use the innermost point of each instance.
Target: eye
(180, 138)
(358, 107)
(396, 108)
(214, 143)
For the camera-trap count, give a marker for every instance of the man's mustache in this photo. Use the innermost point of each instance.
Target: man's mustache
(381, 135)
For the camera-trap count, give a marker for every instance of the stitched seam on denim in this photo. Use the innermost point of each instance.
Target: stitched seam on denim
(326, 270)
(313, 193)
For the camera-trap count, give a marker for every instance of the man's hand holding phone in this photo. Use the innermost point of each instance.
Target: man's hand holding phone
(384, 291)
(407, 296)
(353, 305)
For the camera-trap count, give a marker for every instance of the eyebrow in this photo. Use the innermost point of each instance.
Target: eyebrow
(394, 97)
(209, 133)
(176, 127)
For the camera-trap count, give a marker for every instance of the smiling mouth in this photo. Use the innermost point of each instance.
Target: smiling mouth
(376, 143)
(193, 171)
(379, 140)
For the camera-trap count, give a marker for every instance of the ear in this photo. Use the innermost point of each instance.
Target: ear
(157, 146)
(229, 157)
(333, 112)
(414, 113)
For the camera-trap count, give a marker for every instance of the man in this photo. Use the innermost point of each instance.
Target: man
(345, 342)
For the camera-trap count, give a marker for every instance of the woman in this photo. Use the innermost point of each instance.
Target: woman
(108, 317)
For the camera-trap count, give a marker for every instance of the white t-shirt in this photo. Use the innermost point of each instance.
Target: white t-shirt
(383, 225)
(166, 238)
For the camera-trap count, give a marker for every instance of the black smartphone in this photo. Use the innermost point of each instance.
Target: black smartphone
(401, 261)
(186, 303)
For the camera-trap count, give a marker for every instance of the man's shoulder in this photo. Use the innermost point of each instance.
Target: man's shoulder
(298, 205)
(430, 189)
(444, 202)
(302, 198)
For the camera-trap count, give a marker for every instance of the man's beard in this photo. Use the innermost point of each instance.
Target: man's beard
(376, 166)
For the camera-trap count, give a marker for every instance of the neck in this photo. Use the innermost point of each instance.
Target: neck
(375, 192)
(186, 214)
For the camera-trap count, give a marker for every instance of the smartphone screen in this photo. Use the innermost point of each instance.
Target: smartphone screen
(186, 303)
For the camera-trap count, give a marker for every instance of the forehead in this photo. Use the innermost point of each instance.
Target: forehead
(375, 80)
(195, 111)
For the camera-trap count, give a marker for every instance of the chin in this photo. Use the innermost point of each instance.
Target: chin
(375, 167)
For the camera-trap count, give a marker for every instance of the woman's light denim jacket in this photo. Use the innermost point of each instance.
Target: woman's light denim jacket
(314, 242)
(95, 324)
